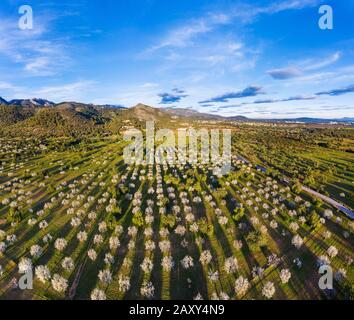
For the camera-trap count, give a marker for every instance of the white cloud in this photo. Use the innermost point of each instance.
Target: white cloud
(201, 43)
(290, 5)
(30, 49)
(150, 85)
(37, 64)
(183, 36)
(302, 67)
(318, 64)
(8, 86)
(71, 91)
(130, 95)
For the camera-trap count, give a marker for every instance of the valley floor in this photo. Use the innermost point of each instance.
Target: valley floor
(91, 227)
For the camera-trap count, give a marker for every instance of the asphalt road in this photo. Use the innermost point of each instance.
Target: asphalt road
(334, 203)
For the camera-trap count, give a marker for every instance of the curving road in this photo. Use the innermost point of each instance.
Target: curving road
(334, 203)
(329, 200)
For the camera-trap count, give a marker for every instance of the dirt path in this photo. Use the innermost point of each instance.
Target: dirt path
(72, 290)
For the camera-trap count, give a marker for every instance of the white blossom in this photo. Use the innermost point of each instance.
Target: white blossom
(105, 276)
(297, 241)
(25, 265)
(332, 251)
(150, 245)
(60, 244)
(42, 273)
(123, 284)
(167, 263)
(114, 243)
(285, 275)
(180, 230)
(82, 236)
(147, 265)
(68, 264)
(59, 283)
(231, 265)
(36, 251)
(205, 257)
(241, 286)
(165, 246)
(2, 247)
(92, 254)
(108, 259)
(98, 294)
(268, 290)
(147, 290)
(187, 262)
(98, 239)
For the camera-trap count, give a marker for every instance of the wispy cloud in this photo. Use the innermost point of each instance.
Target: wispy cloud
(31, 49)
(231, 106)
(250, 91)
(289, 5)
(129, 95)
(8, 86)
(318, 64)
(337, 92)
(66, 91)
(71, 91)
(183, 36)
(303, 67)
(269, 101)
(244, 13)
(38, 65)
(295, 98)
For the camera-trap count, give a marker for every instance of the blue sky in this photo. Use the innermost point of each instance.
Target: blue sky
(260, 59)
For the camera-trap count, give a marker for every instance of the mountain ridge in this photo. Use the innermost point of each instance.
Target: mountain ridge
(3, 101)
(37, 102)
(144, 112)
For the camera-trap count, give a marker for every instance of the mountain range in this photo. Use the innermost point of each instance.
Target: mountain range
(38, 112)
(28, 102)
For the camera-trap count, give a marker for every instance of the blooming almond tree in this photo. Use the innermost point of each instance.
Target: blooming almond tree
(36, 251)
(147, 290)
(205, 257)
(187, 262)
(82, 236)
(268, 290)
(42, 273)
(114, 243)
(2, 247)
(123, 284)
(59, 283)
(231, 265)
(285, 275)
(241, 286)
(297, 241)
(25, 265)
(98, 294)
(332, 251)
(105, 276)
(68, 264)
(60, 244)
(167, 263)
(92, 254)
